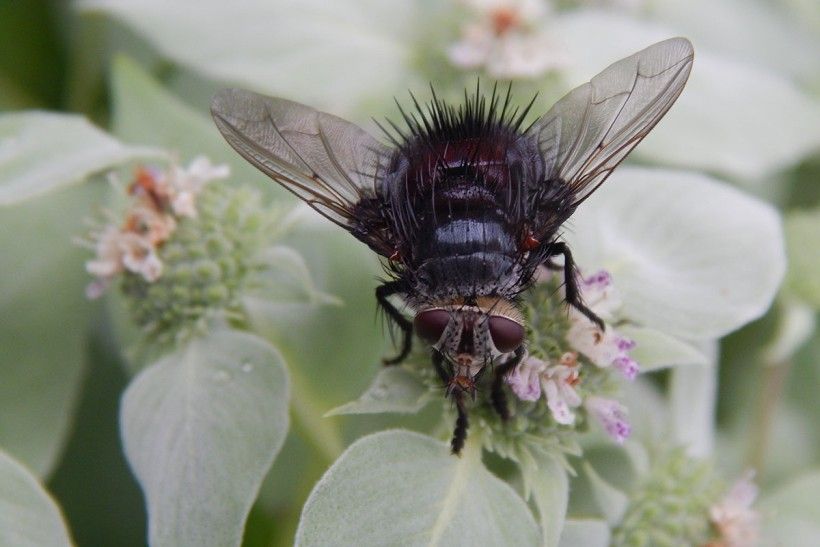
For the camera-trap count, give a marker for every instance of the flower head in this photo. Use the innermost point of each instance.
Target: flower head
(159, 200)
(507, 39)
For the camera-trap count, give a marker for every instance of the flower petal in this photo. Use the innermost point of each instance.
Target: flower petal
(690, 256)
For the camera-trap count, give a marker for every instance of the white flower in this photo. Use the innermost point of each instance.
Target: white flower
(139, 256)
(508, 40)
(733, 517)
(611, 415)
(186, 183)
(525, 379)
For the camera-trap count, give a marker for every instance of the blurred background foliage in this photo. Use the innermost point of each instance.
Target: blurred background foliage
(54, 58)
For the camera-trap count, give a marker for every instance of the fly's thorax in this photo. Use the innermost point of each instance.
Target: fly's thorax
(471, 336)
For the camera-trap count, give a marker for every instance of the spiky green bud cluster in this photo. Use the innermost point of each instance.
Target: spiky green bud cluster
(671, 505)
(205, 264)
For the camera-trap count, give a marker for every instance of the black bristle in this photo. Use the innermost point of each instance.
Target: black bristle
(480, 117)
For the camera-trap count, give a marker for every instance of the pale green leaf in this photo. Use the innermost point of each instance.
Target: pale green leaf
(144, 111)
(394, 389)
(733, 117)
(201, 427)
(334, 55)
(611, 501)
(792, 513)
(802, 240)
(287, 279)
(692, 395)
(657, 350)
(691, 256)
(29, 517)
(402, 488)
(45, 151)
(545, 478)
(585, 533)
(44, 322)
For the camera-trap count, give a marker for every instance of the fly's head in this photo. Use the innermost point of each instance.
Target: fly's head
(471, 337)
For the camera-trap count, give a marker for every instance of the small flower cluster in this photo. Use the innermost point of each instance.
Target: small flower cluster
(558, 381)
(734, 520)
(159, 201)
(507, 39)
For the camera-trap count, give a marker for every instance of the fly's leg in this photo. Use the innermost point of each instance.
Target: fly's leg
(406, 327)
(497, 394)
(573, 296)
(438, 364)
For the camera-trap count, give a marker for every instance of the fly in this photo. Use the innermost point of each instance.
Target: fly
(464, 203)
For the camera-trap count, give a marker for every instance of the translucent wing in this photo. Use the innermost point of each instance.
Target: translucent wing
(595, 126)
(326, 161)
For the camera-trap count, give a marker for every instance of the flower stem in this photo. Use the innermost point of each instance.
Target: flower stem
(771, 391)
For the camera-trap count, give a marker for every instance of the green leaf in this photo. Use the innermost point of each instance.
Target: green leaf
(545, 478)
(733, 117)
(144, 111)
(42, 151)
(286, 47)
(28, 515)
(44, 320)
(657, 350)
(402, 488)
(691, 256)
(394, 389)
(288, 279)
(201, 427)
(792, 514)
(611, 501)
(585, 533)
(802, 233)
(692, 395)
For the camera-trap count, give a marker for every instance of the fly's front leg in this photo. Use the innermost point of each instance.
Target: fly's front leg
(406, 327)
(497, 395)
(573, 296)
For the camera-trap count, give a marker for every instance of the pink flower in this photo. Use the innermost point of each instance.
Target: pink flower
(611, 415)
(733, 517)
(603, 348)
(534, 376)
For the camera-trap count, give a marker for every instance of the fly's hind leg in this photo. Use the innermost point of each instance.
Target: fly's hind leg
(406, 327)
(573, 296)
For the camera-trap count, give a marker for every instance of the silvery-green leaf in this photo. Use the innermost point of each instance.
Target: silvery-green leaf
(611, 501)
(201, 427)
(144, 111)
(648, 409)
(402, 488)
(690, 256)
(692, 397)
(792, 514)
(585, 533)
(761, 32)
(394, 389)
(796, 325)
(286, 279)
(45, 151)
(331, 55)
(802, 236)
(546, 480)
(29, 517)
(656, 350)
(733, 117)
(44, 322)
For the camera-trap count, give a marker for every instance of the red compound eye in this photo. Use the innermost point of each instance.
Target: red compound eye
(507, 334)
(430, 324)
